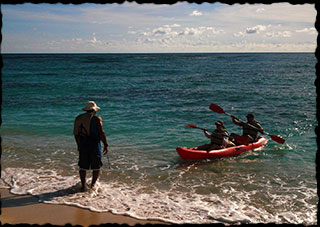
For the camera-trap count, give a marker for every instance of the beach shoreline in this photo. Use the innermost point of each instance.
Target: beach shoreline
(25, 209)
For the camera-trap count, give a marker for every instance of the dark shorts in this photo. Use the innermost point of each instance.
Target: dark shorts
(90, 159)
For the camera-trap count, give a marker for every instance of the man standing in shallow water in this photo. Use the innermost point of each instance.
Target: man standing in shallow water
(88, 132)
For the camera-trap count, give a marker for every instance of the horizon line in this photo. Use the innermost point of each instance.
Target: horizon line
(240, 52)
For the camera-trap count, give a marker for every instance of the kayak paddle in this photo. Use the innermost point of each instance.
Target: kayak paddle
(239, 139)
(219, 110)
(194, 126)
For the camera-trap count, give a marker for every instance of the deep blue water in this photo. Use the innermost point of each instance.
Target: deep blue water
(146, 100)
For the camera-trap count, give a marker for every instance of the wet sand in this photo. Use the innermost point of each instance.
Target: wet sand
(25, 209)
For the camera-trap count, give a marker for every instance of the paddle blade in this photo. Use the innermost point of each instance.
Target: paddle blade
(191, 126)
(277, 139)
(216, 108)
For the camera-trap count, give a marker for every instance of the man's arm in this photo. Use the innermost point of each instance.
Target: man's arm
(75, 133)
(102, 135)
(206, 133)
(261, 130)
(76, 137)
(235, 120)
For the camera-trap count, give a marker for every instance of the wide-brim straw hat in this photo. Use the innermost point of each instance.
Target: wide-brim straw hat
(91, 105)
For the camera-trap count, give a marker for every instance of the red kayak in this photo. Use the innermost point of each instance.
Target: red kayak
(192, 153)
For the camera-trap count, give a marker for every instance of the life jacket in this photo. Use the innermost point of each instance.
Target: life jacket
(217, 137)
(247, 130)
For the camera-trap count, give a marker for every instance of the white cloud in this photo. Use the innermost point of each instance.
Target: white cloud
(173, 25)
(251, 30)
(146, 33)
(173, 35)
(161, 31)
(259, 10)
(150, 40)
(307, 30)
(156, 42)
(166, 30)
(256, 29)
(214, 31)
(77, 40)
(238, 34)
(94, 40)
(170, 31)
(194, 31)
(196, 13)
(284, 34)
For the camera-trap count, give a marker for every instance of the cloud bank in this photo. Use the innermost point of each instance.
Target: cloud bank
(181, 27)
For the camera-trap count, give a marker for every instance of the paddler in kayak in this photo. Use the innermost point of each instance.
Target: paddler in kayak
(251, 132)
(219, 138)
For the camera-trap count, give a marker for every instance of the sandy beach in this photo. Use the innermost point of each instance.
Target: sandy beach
(16, 209)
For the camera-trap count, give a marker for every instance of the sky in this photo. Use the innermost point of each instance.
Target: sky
(158, 28)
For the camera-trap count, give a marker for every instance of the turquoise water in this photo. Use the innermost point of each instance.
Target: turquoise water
(146, 100)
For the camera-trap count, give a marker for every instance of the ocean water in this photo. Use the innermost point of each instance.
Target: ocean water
(146, 100)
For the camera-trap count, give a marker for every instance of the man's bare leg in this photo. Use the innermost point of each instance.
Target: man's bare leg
(83, 179)
(95, 176)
